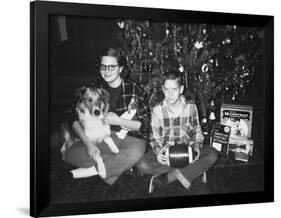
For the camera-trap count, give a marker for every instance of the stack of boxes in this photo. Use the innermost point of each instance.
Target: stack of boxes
(239, 118)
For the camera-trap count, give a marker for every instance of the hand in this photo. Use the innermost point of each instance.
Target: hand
(93, 151)
(162, 156)
(112, 119)
(196, 148)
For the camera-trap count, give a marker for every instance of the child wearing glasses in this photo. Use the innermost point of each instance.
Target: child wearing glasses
(124, 95)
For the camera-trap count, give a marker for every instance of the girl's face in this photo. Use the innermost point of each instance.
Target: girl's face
(109, 69)
(172, 91)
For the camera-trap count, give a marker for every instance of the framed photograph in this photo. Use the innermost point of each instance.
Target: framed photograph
(100, 73)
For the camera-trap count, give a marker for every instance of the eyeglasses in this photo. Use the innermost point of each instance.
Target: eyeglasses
(108, 67)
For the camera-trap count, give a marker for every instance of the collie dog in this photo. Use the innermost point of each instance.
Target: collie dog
(91, 105)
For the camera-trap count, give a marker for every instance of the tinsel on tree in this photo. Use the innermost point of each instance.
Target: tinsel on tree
(214, 60)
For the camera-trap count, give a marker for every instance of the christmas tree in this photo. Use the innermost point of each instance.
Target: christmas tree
(215, 60)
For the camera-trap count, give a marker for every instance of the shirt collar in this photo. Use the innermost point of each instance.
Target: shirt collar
(182, 103)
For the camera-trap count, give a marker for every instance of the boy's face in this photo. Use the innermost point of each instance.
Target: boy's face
(172, 91)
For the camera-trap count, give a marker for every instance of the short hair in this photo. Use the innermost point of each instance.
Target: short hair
(121, 60)
(116, 53)
(173, 75)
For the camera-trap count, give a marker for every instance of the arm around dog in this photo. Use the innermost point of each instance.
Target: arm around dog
(113, 119)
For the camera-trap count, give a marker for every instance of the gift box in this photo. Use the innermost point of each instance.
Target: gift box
(241, 147)
(220, 137)
(239, 118)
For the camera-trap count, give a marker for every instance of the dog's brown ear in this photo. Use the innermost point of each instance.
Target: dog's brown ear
(80, 92)
(105, 98)
(105, 95)
(80, 107)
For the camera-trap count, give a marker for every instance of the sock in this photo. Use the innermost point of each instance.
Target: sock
(171, 176)
(84, 172)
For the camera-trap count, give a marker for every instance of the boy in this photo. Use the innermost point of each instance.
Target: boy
(175, 120)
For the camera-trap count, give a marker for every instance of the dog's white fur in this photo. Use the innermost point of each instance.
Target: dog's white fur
(96, 130)
(91, 111)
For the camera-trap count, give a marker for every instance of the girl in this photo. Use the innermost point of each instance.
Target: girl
(123, 93)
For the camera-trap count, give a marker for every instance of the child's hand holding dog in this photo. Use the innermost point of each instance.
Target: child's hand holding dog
(112, 119)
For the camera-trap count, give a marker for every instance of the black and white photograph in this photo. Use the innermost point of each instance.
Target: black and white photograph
(122, 82)
(155, 106)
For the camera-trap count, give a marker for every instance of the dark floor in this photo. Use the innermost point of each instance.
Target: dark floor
(227, 176)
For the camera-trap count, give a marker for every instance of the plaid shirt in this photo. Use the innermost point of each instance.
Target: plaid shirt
(129, 90)
(169, 128)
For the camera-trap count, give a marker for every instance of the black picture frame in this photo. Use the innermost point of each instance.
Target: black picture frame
(40, 105)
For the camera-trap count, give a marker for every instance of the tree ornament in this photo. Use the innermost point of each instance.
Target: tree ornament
(181, 69)
(227, 41)
(217, 62)
(198, 45)
(121, 24)
(212, 103)
(204, 121)
(212, 116)
(205, 68)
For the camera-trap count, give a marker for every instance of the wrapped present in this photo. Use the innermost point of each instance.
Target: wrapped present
(220, 137)
(241, 147)
(239, 118)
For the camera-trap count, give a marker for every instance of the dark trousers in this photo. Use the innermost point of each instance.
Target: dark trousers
(131, 150)
(208, 157)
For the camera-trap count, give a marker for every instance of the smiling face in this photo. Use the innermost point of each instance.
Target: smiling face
(172, 91)
(110, 70)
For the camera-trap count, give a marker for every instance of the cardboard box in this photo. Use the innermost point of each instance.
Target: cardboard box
(220, 137)
(239, 118)
(241, 147)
